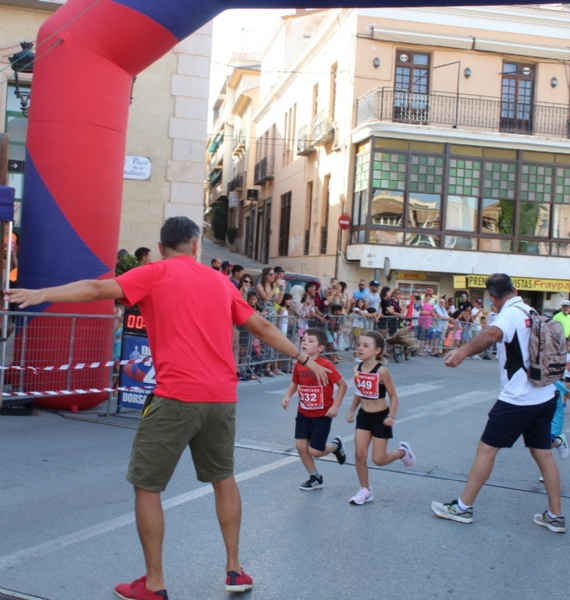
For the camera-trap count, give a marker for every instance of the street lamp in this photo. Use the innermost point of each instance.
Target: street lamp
(23, 62)
(458, 63)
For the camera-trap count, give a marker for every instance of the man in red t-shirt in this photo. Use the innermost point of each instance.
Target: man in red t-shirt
(317, 408)
(194, 401)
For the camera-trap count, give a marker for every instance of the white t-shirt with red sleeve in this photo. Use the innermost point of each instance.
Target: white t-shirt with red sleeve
(188, 311)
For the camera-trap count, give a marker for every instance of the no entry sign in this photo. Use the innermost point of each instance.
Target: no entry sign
(344, 221)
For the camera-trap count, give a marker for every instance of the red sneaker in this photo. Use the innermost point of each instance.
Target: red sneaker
(137, 590)
(238, 582)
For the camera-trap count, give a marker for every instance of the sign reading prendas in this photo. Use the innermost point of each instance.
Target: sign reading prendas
(525, 283)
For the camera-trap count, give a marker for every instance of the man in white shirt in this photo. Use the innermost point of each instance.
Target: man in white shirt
(522, 408)
(372, 298)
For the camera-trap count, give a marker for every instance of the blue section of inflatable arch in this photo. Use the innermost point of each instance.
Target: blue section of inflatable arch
(58, 255)
(178, 17)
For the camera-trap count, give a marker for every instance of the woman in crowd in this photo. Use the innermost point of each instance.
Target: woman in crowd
(269, 294)
(245, 285)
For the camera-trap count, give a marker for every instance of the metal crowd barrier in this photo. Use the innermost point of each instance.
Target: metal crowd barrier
(433, 336)
(53, 354)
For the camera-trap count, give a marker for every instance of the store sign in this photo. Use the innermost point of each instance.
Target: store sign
(525, 283)
(412, 276)
(233, 201)
(459, 282)
(137, 167)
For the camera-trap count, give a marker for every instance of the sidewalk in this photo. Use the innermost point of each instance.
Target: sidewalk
(211, 250)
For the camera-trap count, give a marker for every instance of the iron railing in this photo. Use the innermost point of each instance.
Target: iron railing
(305, 144)
(323, 130)
(307, 246)
(460, 110)
(236, 183)
(324, 239)
(264, 170)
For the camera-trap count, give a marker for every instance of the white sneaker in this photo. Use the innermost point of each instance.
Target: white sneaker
(409, 458)
(476, 357)
(356, 360)
(362, 496)
(563, 450)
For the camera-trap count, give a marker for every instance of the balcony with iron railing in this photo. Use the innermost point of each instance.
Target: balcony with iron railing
(215, 177)
(461, 110)
(238, 143)
(236, 184)
(264, 170)
(323, 130)
(305, 144)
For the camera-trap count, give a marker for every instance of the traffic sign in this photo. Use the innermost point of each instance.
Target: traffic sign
(344, 221)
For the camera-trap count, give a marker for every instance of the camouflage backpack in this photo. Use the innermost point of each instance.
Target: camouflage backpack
(546, 348)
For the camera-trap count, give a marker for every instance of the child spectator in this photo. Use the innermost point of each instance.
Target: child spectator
(316, 409)
(375, 418)
(333, 332)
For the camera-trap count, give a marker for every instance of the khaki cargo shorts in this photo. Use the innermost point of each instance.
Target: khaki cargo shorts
(168, 426)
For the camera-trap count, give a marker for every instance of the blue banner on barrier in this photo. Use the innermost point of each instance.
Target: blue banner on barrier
(136, 374)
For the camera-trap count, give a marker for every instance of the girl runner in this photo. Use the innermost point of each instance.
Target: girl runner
(375, 419)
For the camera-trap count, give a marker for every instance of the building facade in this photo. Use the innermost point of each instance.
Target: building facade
(442, 132)
(166, 138)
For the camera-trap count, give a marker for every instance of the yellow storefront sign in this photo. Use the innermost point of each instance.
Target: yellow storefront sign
(412, 276)
(459, 282)
(523, 283)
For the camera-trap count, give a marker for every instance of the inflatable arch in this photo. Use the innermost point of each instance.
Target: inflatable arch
(91, 50)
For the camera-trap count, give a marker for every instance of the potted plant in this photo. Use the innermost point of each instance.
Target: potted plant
(232, 235)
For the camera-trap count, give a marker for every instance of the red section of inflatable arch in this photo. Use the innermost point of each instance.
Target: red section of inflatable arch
(87, 54)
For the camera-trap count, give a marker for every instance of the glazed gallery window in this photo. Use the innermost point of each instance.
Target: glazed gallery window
(499, 202)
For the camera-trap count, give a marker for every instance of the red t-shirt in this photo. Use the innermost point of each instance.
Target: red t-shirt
(315, 399)
(188, 311)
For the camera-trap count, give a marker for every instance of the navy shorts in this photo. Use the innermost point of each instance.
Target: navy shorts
(314, 429)
(507, 422)
(374, 422)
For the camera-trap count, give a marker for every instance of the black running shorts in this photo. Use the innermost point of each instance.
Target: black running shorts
(507, 422)
(373, 422)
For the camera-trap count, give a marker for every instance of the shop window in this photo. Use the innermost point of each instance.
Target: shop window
(461, 213)
(533, 247)
(561, 221)
(426, 174)
(497, 216)
(424, 211)
(495, 245)
(534, 219)
(387, 208)
(422, 240)
(453, 242)
(464, 177)
(389, 171)
(500, 180)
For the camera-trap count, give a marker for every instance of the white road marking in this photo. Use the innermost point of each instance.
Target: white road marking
(403, 391)
(444, 407)
(40, 550)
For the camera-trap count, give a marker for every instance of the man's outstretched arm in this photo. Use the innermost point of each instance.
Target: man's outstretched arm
(87, 290)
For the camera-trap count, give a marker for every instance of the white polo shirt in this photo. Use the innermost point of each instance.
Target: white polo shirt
(514, 357)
